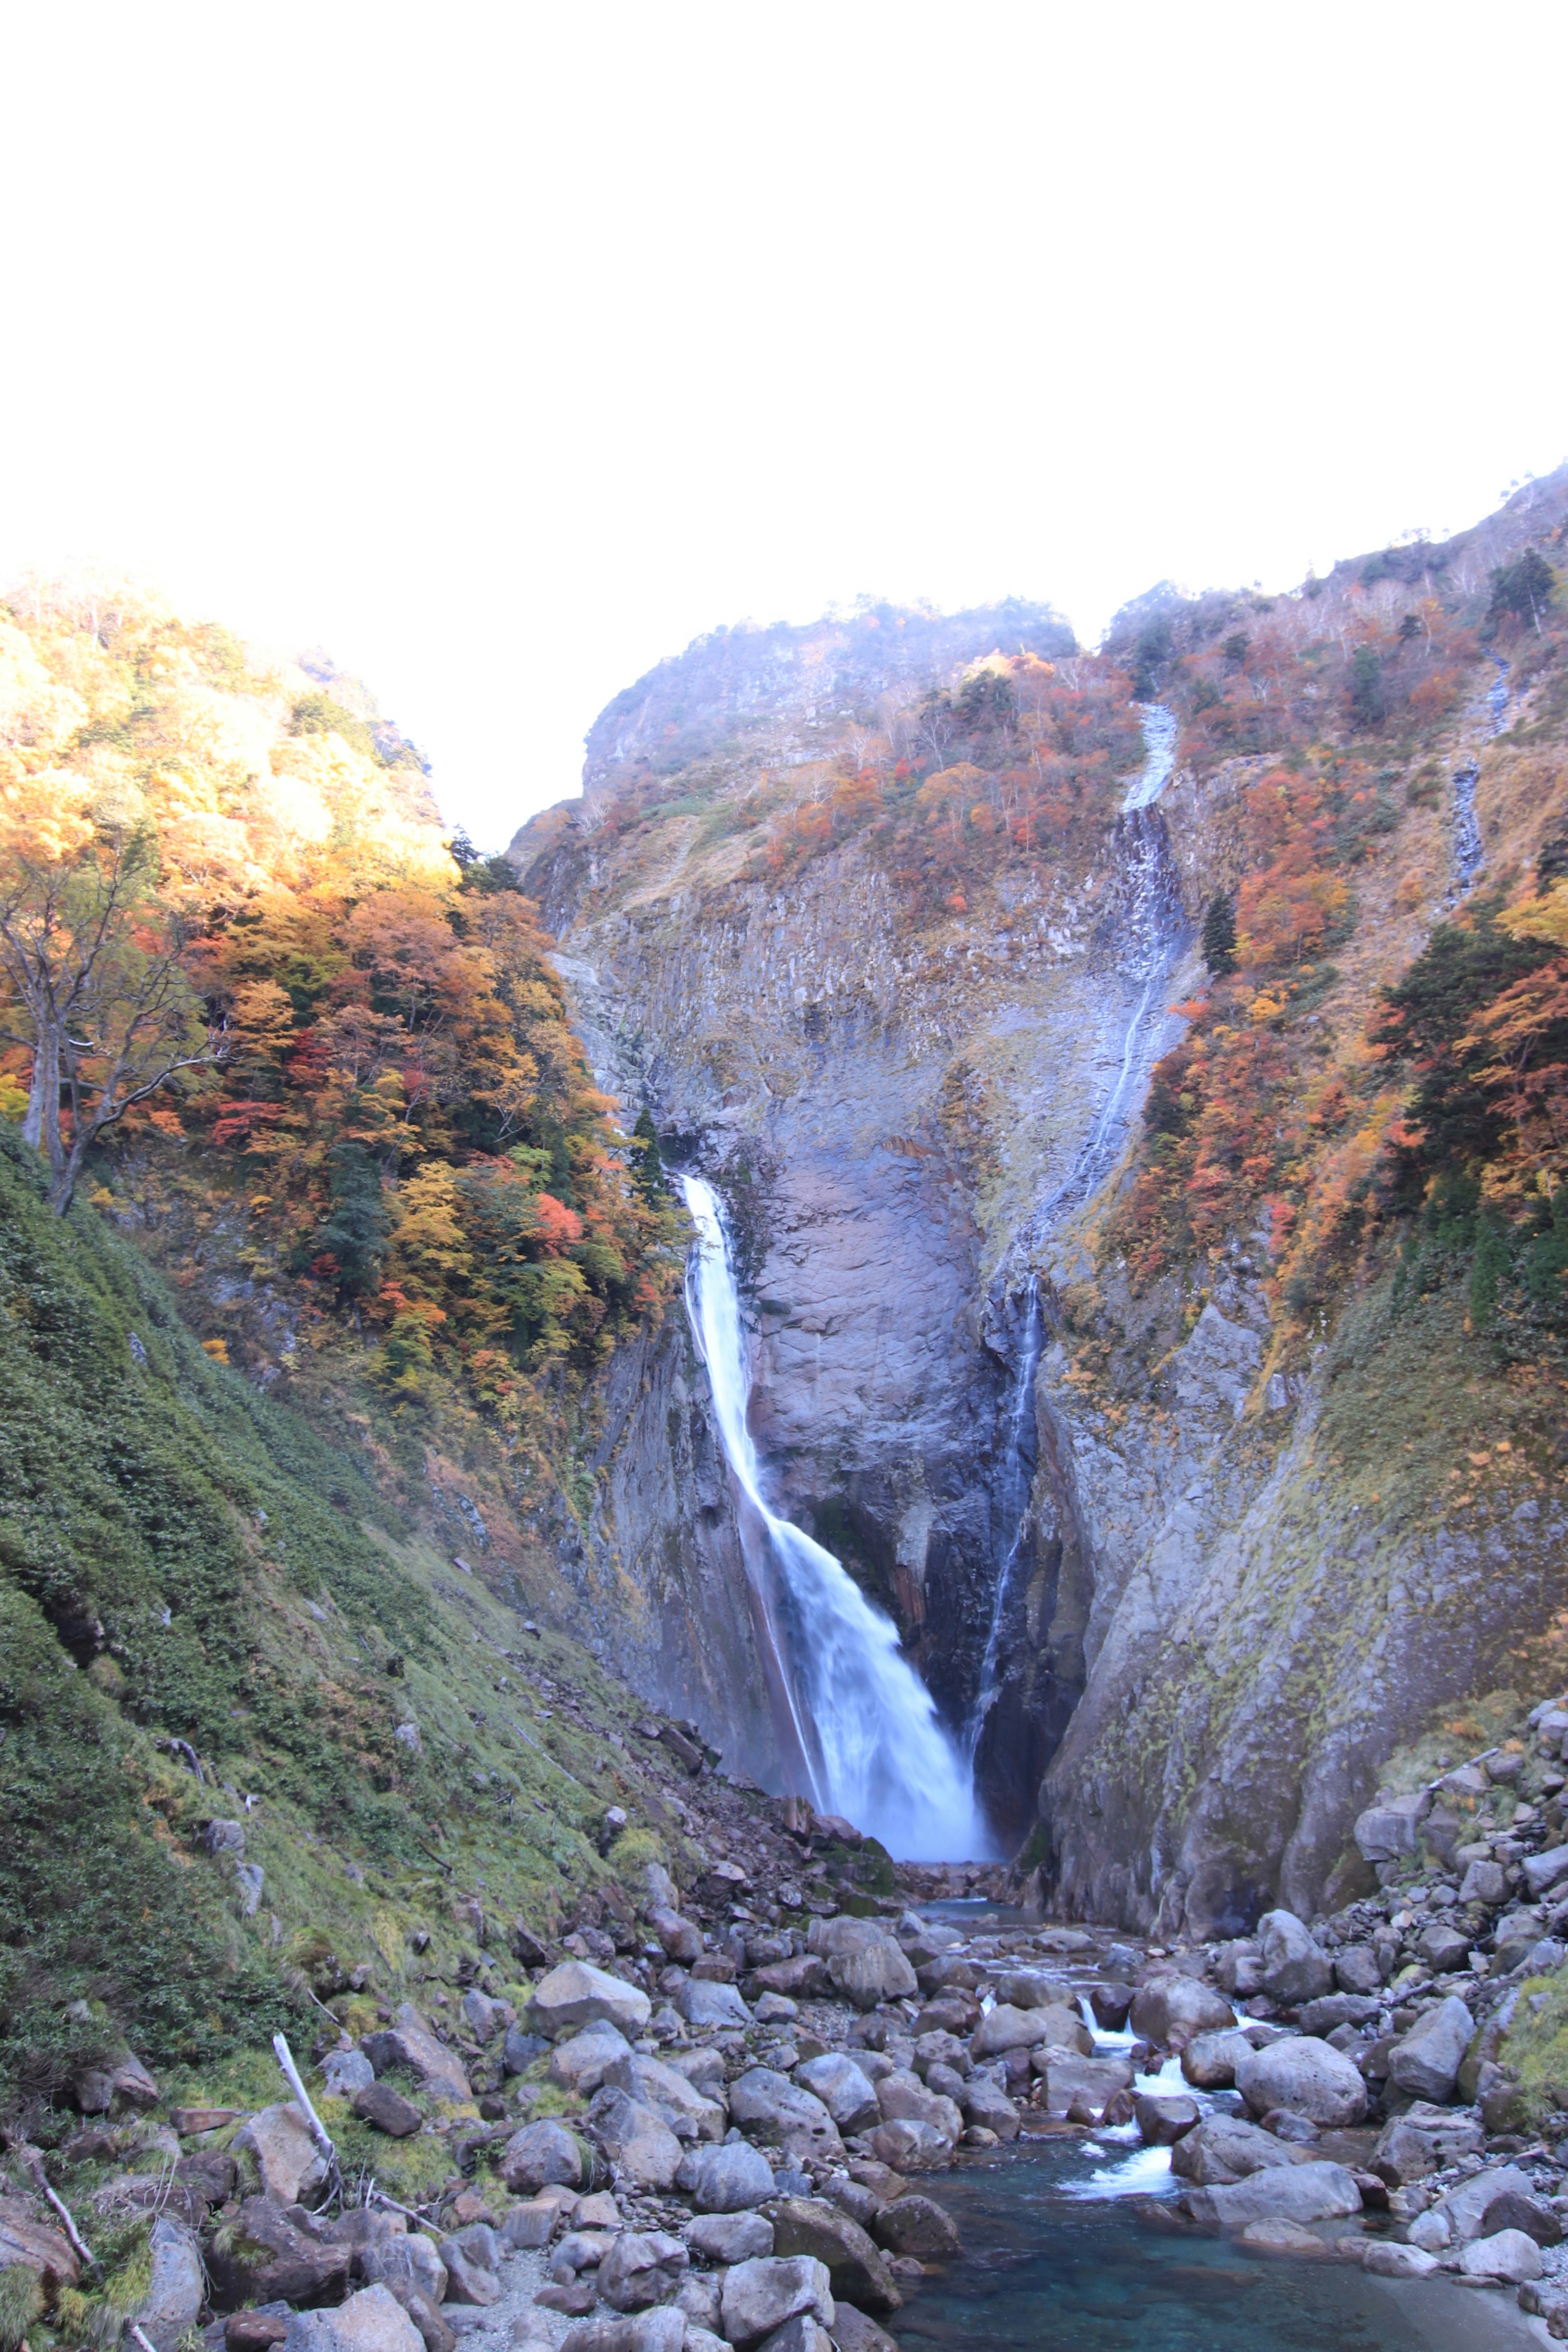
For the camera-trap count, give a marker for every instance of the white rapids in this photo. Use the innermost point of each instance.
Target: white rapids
(858, 1727)
(1159, 756)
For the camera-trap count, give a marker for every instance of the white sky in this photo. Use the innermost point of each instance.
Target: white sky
(503, 350)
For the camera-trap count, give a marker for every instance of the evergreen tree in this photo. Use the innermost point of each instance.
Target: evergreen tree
(650, 1169)
(1487, 1270)
(1219, 935)
(1523, 589)
(355, 1228)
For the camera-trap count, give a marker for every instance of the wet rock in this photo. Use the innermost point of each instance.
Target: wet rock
(918, 2227)
(1224, 2149)
(576, 1994)
(987, 2107)
(178, 2286)
(1425, 2064)
(642, 2267)
(409, 2041)
(804, 2225)
(1307, 2076)
(702, 2002)
(541, 2153)
(729, 2237)
(1177, 2008)
(1005, 2028)
(1112, 2004)
(1032, 1989)
(580, 2062)
(854, 2332)
(344, 2072)
(1163, 2120)
(688, 2114)
(1384, 2259)
(1063, 2077)
(1511, 2256)
(371, 2321)
(908, 2146)
(761, 2295)
(1209, 2059)
(771, 2108)
(727, 2179)
(844, 2090)
(1295, 1967)
(387, 2110)
(902, 2097)
(1239, 1970)
(641, 2147)
(264, 2257)
(1316, 2191)
(277, 2141)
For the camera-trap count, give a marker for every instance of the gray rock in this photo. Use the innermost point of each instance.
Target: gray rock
(409, 2041)
(525, 2227)
(1307, 2076)
(676, 2102)
(177, 2289)
(1295, 1968)
(987, 2107)
(1511, 2256)
(541, 2153)
(761, 2295)
(371, 2321)
(1425, 2064)
(681, 1939)
(1356, 1970)
(1542, 1871)
(1163, 2121)
(479, 2244)
(1063, 2077)
(771, 2108)
(344, 2072)
(1321, 2017)
(387, 2110)
(641, 2147)
(1386, 1831)
(1176, 2009)
(878, 1972)
(1315, 2191)
(700, 2296)
(702, 2002)
(663, 2329)
(808, 2225)
(278, 2142)
(520, 2049)
(1224, 2149)
(729, 2237)
(1531, 2214)
(801, 2334)
(902, 2097)
(1465, 2209)
(907, 2145)
(267, 2258)
(466, 2282)
(1383, 2259)
(854, 2332)
(1209, 2059)
(844, 2089)
(642, 2267)
(917, 2227)
(727, 2179)
(1484, 1881)
(1005, 2028)
(580, 2062)
(1443, 1947)
(576, 1994)
(408, 2263)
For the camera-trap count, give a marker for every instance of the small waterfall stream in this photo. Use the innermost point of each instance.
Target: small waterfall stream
(856, 1726)
(1468, 850)
(1014, 1504)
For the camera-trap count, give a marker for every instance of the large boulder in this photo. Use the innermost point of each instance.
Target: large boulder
(1315, 2191)
(702, 2002)
(371, 2321)
(729, 2237)
(676, 2101)
(1425, 2064)
(177, 2289)
(344, 2072)
(541, 2153)
(1307, 2077)
(1544, 1871)
(681, 1939)
(1386, 1831)
(1176, 2009)
(1422, 2140)
(843, 2088)
(1210, 2059)
(1063, 2077)
(264, 2257)
(1032, 1989)
(288, 2166)
(905, 2145)
(1005, 2028)
(1295, 1967)
(32, 2244)
(771, 2108)
(917, 2227)
(1511, 2257)
(1224, 2148)
(409, 2041)
(387, 2110)
(634, 2140)
(727, 2179)
(642, 2267)
(987, 2107)
(579, 2063)
(760, 2297)
(578, 1994)
(1163, 2120)
(1463, 2211)
(902, 2097)
(406, 2262)
(877, 1972)
(804, 2225)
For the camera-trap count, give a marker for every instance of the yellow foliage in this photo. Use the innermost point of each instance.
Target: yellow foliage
(1545, 917)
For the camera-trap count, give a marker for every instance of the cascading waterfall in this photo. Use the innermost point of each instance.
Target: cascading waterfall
(856, 1726)
(1014, 1504)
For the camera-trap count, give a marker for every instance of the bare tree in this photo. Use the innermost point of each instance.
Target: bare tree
(95, 990)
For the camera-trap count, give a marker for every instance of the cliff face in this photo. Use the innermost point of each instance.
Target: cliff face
(1242, 1576)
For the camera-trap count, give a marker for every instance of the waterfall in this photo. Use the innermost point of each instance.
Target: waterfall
(1015, 1506)
(858, 1727)
(1159, 756)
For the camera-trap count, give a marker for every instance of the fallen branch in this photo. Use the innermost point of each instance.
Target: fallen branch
(407, 2211)
(34, 2162)
(145, 2341)
(317, 2129)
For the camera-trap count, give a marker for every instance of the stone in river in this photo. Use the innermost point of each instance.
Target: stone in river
(1295, 1967)
(1209, 2059)
(1511, 2257)
(1298, 2192)
(1178, 2008)
(1306, 2075)
(1163, 2120)
(802, 2225)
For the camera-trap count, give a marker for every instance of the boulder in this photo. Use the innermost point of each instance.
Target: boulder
(676, 2101)
(634, 2140)
(907, 2145)
(1063, 2077)
(987, 2107)
(761, 2295)
(468, 2281)
(1356, 1968)
(1161, 2121)
(1386, 1831)
(525, 2227)
(700, 2296)
(1295, 1968)
(1224, 2149)
(1464, 2209)
(806, 1974)
(1543, 1870)
(1510, 2211)
(576, 1994)
(1512, 2256)
(409, 2041)
(371, 2321)
(1332, 2009)
(804, 2225)
(264, 2257)
(344, 2072)
(177, 2289)
(387, 2110)
(662, 2329)
(1306, 2075)
(771, 2108)
(843, 2088)
(854, 2332)
(1484, 1881)
(1209, 2061)
(1443, 1947)
(700, 2002)
(680, 1938)
(1176, 2009)
(520, 2050)
(579, 2063)
(1383, 2259)
(902, 2097)
(541, 2152)
(1315, 2191)
(729, 2237)
(1425, 2064)
(728, 2179)
(1032, 1989)
(1112, 2004)
(877, 1972)
(642, 2267)
(1005, 2028)
(918, 2227)
(407, 2263)
(277, 2140)
(801, 2334)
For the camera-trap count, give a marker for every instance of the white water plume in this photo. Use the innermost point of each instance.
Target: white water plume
(1159, 756)
(858, 1727)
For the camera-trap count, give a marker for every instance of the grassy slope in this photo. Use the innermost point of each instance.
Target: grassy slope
(181, 1560)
